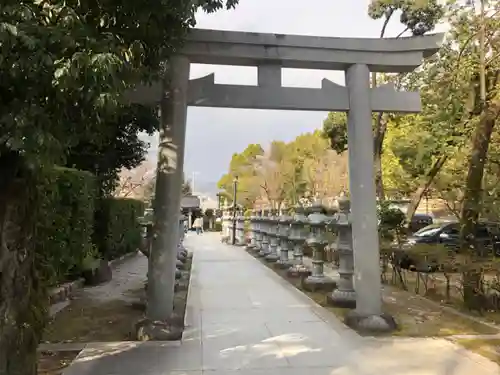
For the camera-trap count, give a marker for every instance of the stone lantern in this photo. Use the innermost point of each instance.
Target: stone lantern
(229, 224)
(264, 229)
(233, 225)
(284, 234)
(298, 236)
(240, 229)
(317, 228)
(344, 295)
(251, 231)
(223, 224)
(273, 237)
(257, 230)
(181, 251)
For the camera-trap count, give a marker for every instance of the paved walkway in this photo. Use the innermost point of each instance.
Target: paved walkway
(245, 320)
(128, 274)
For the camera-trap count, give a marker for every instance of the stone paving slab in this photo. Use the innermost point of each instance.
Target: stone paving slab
(129, 273)
(246, 320)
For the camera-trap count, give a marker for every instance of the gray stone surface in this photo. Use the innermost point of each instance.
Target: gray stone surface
(261, 325)
(308, 52)
(365, 236)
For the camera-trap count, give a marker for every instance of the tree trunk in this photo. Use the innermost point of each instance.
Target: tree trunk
(471, 205)
(473, 291)
(380, 126)
(422, 189)
(22, 298)
(378, 143)
(473, 189)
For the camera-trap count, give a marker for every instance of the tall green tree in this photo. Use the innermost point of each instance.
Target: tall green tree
(418, 18)
(486, 110)
(64, 68)
(287, 172)
(242, 166)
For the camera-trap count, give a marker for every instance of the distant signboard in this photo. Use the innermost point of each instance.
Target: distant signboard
(190, 201)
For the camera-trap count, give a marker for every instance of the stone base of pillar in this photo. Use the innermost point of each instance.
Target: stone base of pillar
(181, 284)
(272, 258)
(298, 270)
(255, 249)
(263, 252)
(342, 298)
(170, 330)
(180, 264)
(283, 264)
(370, 323)
(178, 273)
(322, 283)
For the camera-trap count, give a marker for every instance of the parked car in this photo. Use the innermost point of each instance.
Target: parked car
(420, 221)
(487, 235)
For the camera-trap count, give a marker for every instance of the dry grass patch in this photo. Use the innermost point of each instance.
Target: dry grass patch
(416, 316)
(54, 363)
(90, 321)
(86, 320)
(489, 348)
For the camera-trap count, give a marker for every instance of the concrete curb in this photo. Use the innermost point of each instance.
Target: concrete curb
(79, 346)
(190, 317)
(66, 290)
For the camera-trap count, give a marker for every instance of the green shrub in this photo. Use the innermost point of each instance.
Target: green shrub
(118, 231)
(65, 223)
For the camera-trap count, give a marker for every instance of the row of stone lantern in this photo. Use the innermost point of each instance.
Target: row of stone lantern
(233, 224)
(281, 239)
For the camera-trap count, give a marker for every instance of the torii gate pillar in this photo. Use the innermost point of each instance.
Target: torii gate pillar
(167, 200)
(365, 239)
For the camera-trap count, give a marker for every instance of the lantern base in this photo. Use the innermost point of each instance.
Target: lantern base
(283, 264)
(298, 270)
(342, 298)
(262, 253)
(319, 283)
(256, 249)
(250, 247)
(272, 257)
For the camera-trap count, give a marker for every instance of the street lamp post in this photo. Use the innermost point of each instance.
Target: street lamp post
(219, 198)
(235, 190)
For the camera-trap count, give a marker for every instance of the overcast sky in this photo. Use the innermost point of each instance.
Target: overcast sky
(213, 134)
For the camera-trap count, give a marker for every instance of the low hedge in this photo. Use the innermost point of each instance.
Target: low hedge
(65, 223)
(117, 230)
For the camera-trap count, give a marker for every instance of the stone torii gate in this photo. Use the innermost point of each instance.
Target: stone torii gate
(357, 57)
